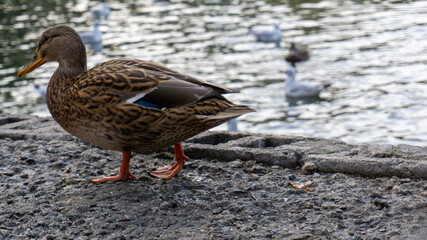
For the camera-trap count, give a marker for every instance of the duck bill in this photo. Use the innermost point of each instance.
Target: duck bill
(35, 63)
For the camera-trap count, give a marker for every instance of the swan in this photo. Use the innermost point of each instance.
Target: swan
(268, 34)
(296, 89)
(93, 38)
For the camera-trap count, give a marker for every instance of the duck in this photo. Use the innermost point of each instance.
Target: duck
(296, 54)
(93, 38)
(127, 104)
(294, 89)
(268, 34)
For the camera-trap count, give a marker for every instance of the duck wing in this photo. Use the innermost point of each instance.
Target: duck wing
(138, 81)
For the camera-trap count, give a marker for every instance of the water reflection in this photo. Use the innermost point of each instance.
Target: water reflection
(292, 102)
(371, 53)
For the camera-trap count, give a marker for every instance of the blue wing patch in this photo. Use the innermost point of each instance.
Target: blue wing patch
(148, 104)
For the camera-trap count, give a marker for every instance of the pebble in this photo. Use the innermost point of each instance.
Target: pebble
(254, 176)
(249, 164)
(381, 203)
(308, 168)
(24, 175)
(9, 173)
(405, 180)
(236, 164)
(237, 176)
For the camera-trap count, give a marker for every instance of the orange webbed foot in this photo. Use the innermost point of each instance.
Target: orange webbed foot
(103, 179)
(125, 173)
(168, 172)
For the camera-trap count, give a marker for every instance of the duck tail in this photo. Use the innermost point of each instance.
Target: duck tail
(233, 112)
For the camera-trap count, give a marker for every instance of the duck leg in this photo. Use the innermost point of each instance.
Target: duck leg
(168, 172)
(124, 171)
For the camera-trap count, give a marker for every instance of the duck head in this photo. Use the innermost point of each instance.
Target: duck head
(61, 44)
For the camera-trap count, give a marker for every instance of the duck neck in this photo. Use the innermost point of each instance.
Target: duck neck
(63, 78)
(293, 48)
(72, 67)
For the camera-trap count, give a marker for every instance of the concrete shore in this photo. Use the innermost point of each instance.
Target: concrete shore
(237, 186)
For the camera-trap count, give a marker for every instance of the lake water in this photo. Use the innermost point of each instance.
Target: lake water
(374, 53)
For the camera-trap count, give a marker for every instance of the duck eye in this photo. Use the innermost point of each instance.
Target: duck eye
(43, 40)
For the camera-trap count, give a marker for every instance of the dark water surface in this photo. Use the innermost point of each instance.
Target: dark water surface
(374, 53)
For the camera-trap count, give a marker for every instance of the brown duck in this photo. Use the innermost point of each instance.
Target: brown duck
(296, 54)
(127, 104)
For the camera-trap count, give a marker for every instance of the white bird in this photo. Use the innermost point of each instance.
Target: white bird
(294, 89)
(93, 38)
(103, 11)
(268, 34)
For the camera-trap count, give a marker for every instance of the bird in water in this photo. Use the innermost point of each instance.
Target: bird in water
(127, 104)
(102, 12)
(268, 34)
(296, 55)
(93, 38)
(295, 89)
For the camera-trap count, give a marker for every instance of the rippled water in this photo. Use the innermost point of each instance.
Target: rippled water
(374, 53)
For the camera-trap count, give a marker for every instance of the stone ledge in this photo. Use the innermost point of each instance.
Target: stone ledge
(327, 155)
(263, 187)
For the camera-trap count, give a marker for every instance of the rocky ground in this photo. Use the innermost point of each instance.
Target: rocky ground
(237, 186)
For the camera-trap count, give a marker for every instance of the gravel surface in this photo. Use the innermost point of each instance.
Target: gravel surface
(46, 193)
